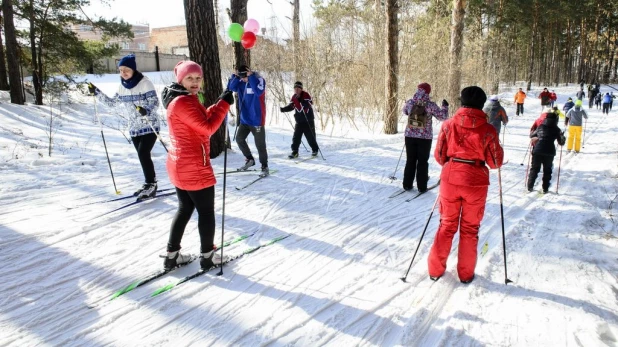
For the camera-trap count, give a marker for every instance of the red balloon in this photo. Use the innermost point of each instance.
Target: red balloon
(248, 40)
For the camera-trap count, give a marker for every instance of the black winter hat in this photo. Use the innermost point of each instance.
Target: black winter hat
(473, 97)
(298, 84)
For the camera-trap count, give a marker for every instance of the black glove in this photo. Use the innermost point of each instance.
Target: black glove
(141, 110)
(227, 96)
(282, 109)
(444, 103)
(92, 89)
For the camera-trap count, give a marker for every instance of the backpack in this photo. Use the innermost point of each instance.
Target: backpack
(418, 116)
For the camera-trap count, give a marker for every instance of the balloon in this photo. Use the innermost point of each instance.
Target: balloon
(248, 40)
(235, 32)
(252, 25)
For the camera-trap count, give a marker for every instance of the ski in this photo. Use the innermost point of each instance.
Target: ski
(255, 180)
(397, 193)
(157, 274)
(301, 160)
(202, 271)
(419, 193)
(236, 171)
(116, 199)
(130, 204)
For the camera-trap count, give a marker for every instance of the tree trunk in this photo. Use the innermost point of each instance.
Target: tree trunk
(454, 78)
(533, 36)
(204, 50)
(12, 53)
(239, 15)
(4, 82)
(296, 38)
(392, 66)
(36, 73)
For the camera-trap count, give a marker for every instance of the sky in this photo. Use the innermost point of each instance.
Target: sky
(162, 13)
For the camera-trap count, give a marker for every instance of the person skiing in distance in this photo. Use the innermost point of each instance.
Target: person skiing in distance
(580, 95)
(568, 105)
(466, 145)
(607, 100)
(251, 89)
(552, 98)
(188, 161)
(419, 135)
(496, 113)
(302, 105)
(544, 151)
(545, 97)
(597, 100)
(573, 120)
(136, 102)
(520, 97)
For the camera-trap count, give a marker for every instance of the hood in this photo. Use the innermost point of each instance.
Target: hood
(493, 104)
(171, 92)
(470, 117)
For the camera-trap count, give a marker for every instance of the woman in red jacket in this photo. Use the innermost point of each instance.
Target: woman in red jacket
(188, 162)
(467, 144)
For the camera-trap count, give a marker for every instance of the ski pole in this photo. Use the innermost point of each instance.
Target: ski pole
(294, 128)
(421, 239)
(393, 177)
(584, 134)
(223, 203)
(96, 113)
(528, 150)
(506, 278)
(559, 162)
(313, 133)
(528, 167)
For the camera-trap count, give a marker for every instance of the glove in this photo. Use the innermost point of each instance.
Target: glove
(92, 89)
(282, 109)
(141, 110)
(444, 103)
(227, 96)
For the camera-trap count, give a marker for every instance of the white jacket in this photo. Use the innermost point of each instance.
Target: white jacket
(125, 102)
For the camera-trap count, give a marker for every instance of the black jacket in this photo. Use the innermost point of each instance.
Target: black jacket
(547, 133)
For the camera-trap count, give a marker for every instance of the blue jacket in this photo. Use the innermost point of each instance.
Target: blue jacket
(251, 97)
(567, 106)
(607, 99)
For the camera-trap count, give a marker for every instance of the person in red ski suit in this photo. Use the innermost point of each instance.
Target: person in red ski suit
(466, 145)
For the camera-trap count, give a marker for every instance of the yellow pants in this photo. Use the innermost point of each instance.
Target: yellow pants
(575, 137)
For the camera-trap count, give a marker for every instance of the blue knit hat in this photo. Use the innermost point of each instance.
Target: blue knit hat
(128, 61)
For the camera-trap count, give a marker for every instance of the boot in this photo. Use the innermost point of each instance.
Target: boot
(265, 172)
(174, 259)
(293, 155)
(314, 153)
(211, 259)
(149, 191)
(248, 163)
(137, 192)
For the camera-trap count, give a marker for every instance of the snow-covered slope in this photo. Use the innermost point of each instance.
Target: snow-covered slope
(335, 280)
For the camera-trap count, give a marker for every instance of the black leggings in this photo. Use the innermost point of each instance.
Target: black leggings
(143, 145)
(417, 162)
(204, 201)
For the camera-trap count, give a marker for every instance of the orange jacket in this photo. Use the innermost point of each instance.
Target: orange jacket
(520, 96)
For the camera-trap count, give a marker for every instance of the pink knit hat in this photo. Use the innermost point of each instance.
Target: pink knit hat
(185, 67)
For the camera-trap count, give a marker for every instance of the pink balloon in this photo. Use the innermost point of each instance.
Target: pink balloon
(252, 25)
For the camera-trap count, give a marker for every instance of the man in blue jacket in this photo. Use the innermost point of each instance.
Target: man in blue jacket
(251, 89)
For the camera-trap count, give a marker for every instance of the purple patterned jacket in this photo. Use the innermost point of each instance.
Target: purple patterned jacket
(432, 110)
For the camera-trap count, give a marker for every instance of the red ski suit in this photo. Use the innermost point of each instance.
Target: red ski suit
(466, 144)
(190, 126)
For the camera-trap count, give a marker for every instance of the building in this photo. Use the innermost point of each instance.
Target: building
(140, 41)
(171, 40)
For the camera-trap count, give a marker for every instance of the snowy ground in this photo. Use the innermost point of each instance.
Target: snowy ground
(335, 281)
